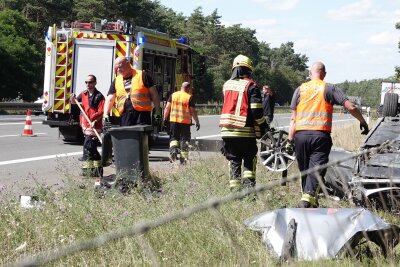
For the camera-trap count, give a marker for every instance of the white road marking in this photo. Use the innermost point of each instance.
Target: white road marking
(207, 136)
(13, 135)
(8, 162)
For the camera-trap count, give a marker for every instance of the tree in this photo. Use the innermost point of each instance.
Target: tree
(43, 12)
(20, 60)
(282, 69)
(94, 10)
(368, 90)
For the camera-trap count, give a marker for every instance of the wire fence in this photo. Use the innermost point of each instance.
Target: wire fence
(212, 205)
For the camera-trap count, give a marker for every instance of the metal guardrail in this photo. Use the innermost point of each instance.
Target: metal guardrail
(19, 106)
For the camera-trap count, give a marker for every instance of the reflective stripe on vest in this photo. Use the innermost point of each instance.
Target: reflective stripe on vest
(180, 111)
(236, 102)
(139, 93)
(313, 112)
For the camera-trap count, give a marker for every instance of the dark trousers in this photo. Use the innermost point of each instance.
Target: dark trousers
(133, 117)
(312, 149)
(90, 148)
(179, 137)
(92, 166)
(237, 150)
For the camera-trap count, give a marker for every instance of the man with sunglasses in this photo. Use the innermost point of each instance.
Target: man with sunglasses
(93, 104)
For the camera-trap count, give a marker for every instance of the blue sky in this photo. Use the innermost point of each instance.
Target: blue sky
(356, 39)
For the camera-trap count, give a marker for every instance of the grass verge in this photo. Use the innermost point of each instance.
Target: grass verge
(211, 238)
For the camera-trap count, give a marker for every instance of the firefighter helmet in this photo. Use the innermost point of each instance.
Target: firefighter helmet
(242, 61)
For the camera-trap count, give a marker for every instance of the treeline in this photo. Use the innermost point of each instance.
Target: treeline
(24, 22)
(368, 90)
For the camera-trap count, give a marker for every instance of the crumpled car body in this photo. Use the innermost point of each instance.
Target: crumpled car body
(313, 234)
(372, 179)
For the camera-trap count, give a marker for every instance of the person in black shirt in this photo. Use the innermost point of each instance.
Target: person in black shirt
(132, 114)
(268, 102)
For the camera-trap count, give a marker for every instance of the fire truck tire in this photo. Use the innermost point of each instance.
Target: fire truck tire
(71, 133)
(390, 104)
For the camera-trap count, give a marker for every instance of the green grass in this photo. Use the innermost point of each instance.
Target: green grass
(208, 238)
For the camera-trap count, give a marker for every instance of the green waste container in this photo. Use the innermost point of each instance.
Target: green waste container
(131, 151)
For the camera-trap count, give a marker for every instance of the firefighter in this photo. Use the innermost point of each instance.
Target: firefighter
(180, 109)
(132, 91)
(93, 105)
(310, 128)
(241, 122)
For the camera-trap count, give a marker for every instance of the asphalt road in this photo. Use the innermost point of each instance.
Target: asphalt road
(46, 160)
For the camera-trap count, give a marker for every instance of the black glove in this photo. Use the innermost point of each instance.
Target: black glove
(164, 125)
(157, 118)
(106, 122)
(197, 126)
(289, 147)
(364, 128)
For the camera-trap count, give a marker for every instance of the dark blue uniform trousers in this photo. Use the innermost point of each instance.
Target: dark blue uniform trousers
(312, 149)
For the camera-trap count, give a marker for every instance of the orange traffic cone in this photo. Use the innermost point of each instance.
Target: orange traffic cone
(28, 125)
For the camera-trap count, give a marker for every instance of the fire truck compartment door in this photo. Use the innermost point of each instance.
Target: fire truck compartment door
(93, 57)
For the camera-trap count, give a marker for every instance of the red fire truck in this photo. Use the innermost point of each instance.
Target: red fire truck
(77, 49)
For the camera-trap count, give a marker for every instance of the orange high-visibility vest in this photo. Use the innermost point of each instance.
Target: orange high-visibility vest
(139, 93)
(236, 103)
(180, 111)
(313, 112)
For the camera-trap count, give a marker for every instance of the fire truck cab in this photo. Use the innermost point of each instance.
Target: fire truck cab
(77, 49)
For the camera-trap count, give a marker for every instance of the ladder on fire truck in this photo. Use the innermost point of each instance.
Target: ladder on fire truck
(61, 79)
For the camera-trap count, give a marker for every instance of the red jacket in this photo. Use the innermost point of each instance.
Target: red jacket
(93, 107)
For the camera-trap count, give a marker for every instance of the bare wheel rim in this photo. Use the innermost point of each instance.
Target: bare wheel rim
(273, 154)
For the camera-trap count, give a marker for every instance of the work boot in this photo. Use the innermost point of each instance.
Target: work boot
(304, 204)
(184, 157)
(83, 158)
(235, 185)
(172, 157)
(85, 155)
(249, 183)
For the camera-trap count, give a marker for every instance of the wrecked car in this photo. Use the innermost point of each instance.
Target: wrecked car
(373, 178)
(369, 180)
